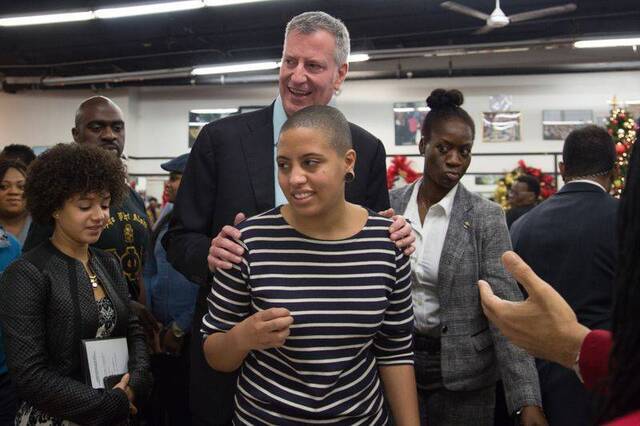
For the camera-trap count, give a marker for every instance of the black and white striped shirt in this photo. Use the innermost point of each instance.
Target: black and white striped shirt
(351, 304)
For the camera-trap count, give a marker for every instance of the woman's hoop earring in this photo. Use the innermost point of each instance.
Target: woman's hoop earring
(349, 176)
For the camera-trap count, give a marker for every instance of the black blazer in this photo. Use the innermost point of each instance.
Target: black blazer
(570, 241)
(46, 307)
(231, 170)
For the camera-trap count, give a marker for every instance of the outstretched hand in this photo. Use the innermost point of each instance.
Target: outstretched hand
(543, 324)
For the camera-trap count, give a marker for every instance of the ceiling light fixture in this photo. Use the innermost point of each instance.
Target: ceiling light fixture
(358, 57)
(215, 111)
(215, 3)
(227, 69)
(147, 9)
(612, 42)
(51, 18)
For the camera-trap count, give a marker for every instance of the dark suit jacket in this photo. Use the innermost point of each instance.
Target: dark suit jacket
(46, 307)
(474, 353)
(231, 170)
(570, 241)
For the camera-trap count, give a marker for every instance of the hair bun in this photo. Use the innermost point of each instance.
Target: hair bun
(443, 99)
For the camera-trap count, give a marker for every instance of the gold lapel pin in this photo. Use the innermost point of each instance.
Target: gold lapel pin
(466, 225)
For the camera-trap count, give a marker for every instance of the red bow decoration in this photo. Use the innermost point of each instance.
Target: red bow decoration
(401, 166)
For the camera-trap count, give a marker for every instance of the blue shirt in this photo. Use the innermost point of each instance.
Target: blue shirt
(9, 251)
(170, 296)
(279, 118)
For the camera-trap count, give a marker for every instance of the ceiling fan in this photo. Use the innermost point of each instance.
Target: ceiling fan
(498, 19)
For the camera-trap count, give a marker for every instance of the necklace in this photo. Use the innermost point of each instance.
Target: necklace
(94, 280)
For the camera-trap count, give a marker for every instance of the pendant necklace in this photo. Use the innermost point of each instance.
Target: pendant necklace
(93, 278)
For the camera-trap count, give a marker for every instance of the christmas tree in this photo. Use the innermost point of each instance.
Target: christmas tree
(622, 129)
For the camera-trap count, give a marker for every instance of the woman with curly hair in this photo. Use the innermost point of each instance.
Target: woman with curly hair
(460, 237)
(64, 290)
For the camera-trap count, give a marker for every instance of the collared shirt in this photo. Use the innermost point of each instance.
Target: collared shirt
(279, 118)
(592, 182)
(425, 260)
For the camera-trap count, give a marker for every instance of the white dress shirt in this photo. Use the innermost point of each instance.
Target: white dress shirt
(592, 182)
(425, 260)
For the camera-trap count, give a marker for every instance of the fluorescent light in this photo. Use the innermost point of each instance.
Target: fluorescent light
(52, 18)
(612, 42)
(214, 111)
(358, 57)
(227, 69)
(214, 3)
(147, 9)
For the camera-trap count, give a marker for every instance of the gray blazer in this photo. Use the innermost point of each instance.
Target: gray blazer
(474, 353)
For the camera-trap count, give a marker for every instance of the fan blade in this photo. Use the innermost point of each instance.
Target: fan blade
(483, 30)
(534, 14)
(456, 7)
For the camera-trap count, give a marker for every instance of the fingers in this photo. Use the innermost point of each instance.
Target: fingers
(123, 383)
(268, 329)
(408, 251)
(275, 332)
(388, 213)
(278, 324)
(273, 313)
(132, 409)
(404, 241)
(229, 231)
(399, 225)
(488, 300)
(239, 218)
(217, 263)
(522, 273)
(224, 251)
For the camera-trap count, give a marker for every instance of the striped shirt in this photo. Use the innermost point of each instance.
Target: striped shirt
(351, 304)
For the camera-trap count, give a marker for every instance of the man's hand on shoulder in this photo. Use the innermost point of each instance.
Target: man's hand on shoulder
(401, 232)
(224, 251)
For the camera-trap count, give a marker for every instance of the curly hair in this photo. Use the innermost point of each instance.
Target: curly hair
(70, 169)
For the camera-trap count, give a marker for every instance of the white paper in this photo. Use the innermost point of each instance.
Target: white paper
(106, 357)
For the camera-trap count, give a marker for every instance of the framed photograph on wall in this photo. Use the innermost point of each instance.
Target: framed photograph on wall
(501, 126)
(558, 123)
(198, 118)
(408, 118)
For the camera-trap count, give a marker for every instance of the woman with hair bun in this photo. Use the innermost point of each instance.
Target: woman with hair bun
(460, 237)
